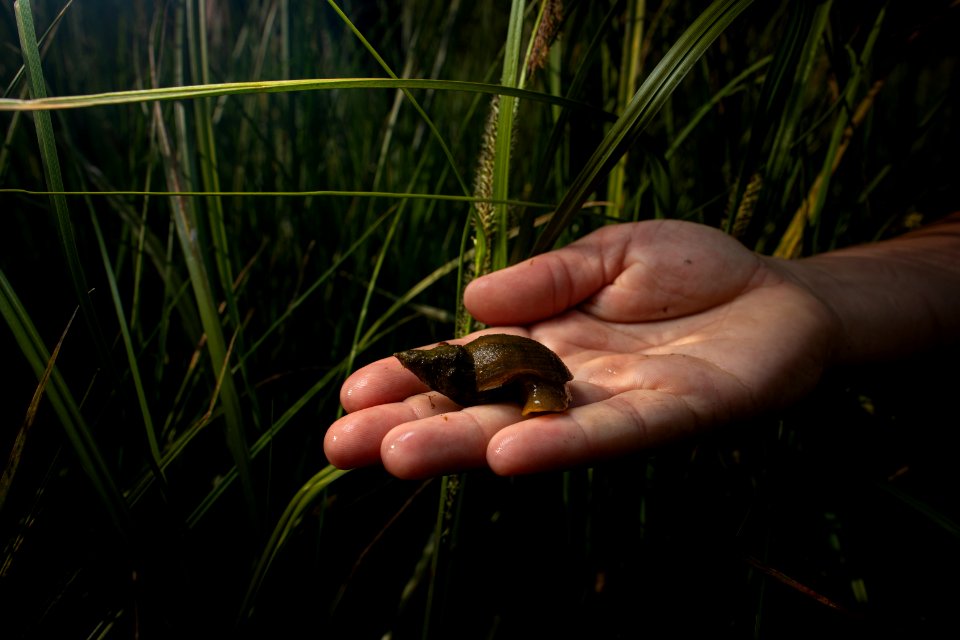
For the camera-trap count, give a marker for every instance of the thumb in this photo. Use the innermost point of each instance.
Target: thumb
(538, 288)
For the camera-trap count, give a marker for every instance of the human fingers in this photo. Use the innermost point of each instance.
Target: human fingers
(645, 403)
(426, 434)
(354, 440)
(632, 272)
(422, 436)
(624, 424)
(542, 286)
(379, 382)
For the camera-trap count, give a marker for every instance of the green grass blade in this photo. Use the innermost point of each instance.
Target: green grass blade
(324, 277)
(313, 193)
(291, 517)
(186, 229)
(782, 102)
(207, 153)
(848, 100)
(264, 441)
(192, 92)
(629, 69)
(151, 434)
(45, 40)
(20, 441)
(413, 101)
(648, 100)
(51, 169)
(505, 115)
(551, 159)
(732, 87)
(808, 215)
(65, 407)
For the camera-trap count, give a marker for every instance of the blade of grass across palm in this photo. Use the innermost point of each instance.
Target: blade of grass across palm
(648, 100)
(16, 451)
(301, 502)
(65, 407)
(52, 175)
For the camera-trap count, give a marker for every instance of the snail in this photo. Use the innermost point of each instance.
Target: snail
(494, 368)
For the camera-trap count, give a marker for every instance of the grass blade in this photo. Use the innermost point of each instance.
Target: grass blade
(16, 451)
(507, 110)
(648, 100)
(151, 434)
(66, 408)
(51, 170)
(209, 317)
(809, 212)
(191, 92)
(291, 517)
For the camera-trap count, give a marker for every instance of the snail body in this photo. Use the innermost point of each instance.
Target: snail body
(494, 368)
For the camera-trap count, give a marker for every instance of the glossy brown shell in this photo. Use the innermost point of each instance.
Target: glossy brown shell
(494, 368)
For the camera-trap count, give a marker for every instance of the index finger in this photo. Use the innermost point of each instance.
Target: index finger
(382, 381)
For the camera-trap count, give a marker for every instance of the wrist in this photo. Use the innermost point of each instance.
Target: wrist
(888, 299)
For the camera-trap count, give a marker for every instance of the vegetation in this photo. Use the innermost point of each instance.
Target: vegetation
(224, 207)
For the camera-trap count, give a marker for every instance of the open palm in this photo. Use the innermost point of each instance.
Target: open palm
(668, 327)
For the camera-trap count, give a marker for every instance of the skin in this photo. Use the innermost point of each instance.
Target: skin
(669, 328)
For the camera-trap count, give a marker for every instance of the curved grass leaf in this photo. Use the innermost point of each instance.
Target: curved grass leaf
(301, 502)
(189, 92)
(648, 100)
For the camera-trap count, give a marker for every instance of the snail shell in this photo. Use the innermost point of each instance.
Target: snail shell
(494, 368)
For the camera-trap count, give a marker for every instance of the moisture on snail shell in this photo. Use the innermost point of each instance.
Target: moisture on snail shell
(494, 368)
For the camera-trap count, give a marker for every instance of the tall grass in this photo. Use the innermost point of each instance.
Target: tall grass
(248, 200)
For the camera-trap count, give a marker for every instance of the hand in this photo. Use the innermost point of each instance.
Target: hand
(668, 327)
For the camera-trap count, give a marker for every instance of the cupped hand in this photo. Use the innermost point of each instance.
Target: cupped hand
(668, 327)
